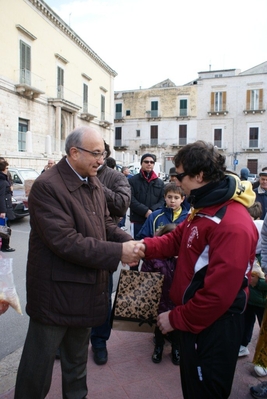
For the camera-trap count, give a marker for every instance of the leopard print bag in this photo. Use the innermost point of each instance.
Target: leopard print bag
(137, 299)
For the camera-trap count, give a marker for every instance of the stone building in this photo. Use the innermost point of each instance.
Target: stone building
(51, 81)
(225, 107)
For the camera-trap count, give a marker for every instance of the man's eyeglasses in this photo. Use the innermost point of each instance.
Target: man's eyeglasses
(149, 162)
(180, 176)
(96, 155)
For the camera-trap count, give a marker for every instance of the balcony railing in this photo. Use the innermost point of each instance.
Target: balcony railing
(29, 84)
(183, 112)
(153, 142)
(118, 115)
(68, 95)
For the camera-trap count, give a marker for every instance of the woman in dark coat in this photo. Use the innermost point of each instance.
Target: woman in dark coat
(6, 209)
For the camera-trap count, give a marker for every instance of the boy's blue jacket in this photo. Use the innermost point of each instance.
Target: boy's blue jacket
(158, 219)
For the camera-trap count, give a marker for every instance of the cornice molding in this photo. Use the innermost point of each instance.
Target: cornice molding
(49, 14)
(26, 32)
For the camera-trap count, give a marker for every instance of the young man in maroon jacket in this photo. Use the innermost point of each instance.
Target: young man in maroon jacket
(215, 248)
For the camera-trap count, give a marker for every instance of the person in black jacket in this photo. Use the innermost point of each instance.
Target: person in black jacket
(147, 193)
(6, 209)
(261, 192)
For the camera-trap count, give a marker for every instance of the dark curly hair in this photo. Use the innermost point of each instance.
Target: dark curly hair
(201, 157)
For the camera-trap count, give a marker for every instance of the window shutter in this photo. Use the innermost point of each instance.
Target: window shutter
(212, 101)
(260, 98)
(224, 100)
(248, 99)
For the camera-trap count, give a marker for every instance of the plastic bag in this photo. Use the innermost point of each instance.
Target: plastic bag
(8, 291)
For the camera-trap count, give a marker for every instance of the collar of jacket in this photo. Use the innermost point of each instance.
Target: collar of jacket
(3, 176)
(215, 193)
(152, 176)
(70, 178)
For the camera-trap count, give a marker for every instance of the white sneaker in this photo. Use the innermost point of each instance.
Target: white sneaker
(243, 351)
(260, 371)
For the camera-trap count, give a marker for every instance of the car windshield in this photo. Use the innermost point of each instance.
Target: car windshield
(29, 174)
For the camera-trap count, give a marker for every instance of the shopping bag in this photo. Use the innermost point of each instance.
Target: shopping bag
(5, 231)
(8, 291)
(137, 300)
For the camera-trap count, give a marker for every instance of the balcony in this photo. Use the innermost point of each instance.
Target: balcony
(119, 117)
(252, 146)
(118, 146)
(253, 111)
(30, 85)
(153, 114)
(87, 113)
(66, 99)
(217, 113)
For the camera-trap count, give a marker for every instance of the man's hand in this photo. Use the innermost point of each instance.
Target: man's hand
(163, 322)
(140, 248)
(148, 213)
(129, 256)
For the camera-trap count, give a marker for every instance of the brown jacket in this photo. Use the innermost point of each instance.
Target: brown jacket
(73, 245)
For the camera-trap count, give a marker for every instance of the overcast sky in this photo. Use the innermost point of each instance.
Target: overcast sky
(148, 41)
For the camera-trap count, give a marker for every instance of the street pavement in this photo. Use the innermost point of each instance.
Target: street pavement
(130, 373)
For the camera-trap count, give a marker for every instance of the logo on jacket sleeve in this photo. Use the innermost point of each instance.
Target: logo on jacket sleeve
(193, 234)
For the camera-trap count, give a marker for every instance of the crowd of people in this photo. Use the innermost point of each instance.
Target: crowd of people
(205, 230)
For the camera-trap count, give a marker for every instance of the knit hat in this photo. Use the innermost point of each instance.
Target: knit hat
(172, 172)
(148, 155)
(244, 173)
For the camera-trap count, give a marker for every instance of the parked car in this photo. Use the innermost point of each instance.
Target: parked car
(20, 207)
(20, 199)
(19, 175)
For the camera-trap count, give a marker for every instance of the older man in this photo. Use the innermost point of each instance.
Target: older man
(72, 248)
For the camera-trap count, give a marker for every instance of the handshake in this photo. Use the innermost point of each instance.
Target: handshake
(132, 252)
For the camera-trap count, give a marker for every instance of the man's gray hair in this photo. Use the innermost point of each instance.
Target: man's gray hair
(74, 139)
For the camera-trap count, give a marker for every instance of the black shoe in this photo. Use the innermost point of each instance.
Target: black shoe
(100, 355)
(157, 354)
(175, 357)
(9, 249)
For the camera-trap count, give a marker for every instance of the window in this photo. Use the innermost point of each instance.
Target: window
(183, 107)
(154, 135)
(128, 112)
(254, 99)
(154, 109)
(60, 82)
(85, 98)
(218, 101)
(102, 107)
(23, 128)
(253, 137)
(118, 111)
(182, 134)
(118, 136)
(25, 63)
(138, 133)
(218, 137)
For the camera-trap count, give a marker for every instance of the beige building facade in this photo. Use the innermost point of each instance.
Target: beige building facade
(226, 108)
(156, 120)
(51, 81)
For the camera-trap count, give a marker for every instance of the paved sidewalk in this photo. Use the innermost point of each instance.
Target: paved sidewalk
(130, 373)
